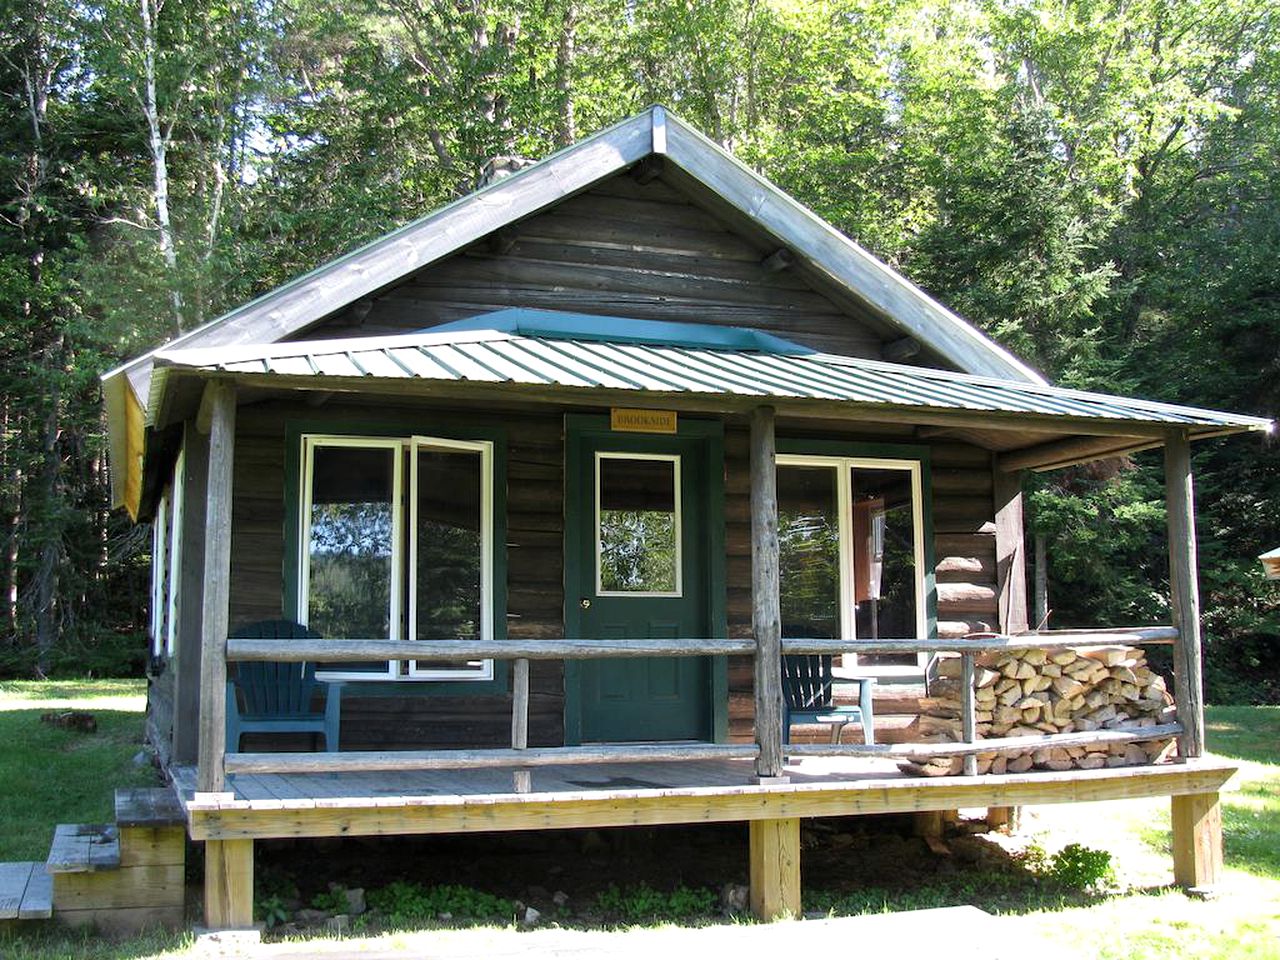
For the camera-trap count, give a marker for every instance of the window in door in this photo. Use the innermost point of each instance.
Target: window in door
(638, 525)
(851, 541)
(397, 542)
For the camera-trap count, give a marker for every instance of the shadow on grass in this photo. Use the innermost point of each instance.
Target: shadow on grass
(58, 943)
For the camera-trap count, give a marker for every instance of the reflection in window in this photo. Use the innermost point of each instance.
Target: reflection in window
(638, 534)
(848, 545)
(884, 558)
(809, 552)
(351, 542)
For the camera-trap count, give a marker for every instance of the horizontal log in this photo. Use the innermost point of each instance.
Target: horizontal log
(1048, 640)
(482, 759)
(329, 651)
(915, 751)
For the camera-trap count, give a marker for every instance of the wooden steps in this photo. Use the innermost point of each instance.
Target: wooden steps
(26, 891)
(83, 848)
(123, 876)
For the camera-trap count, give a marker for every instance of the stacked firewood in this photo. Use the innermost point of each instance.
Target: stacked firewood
(1032, 692)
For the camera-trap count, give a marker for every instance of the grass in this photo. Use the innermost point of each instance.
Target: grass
(50, 775)
(55, 776)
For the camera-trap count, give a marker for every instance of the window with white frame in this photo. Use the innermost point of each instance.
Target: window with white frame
(166, 565)
(396, 542)
(160, 573)
(852, 559)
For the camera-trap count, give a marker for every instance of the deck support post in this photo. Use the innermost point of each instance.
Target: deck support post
(218, 409)
(766, 610)
(1184, 593)
(775, 868)
(228, 884)
(1197, 840)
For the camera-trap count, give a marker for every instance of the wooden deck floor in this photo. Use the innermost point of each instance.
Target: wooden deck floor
(596, 795)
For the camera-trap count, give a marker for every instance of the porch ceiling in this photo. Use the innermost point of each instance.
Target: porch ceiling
(1034, 425)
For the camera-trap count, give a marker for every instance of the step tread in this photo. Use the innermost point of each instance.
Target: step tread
(26, 891)
(83, 848)
(149, 807)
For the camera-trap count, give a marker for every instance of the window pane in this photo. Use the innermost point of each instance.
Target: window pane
(639, 529)
(884, 559)
(449, 548)
(350, 545)
(809, 552)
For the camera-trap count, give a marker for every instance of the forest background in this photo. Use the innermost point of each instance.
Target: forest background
(1096, 183)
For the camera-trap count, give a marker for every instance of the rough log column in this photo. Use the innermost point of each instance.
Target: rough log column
(774, 844)
(1197, 818)
(1011, 577)
(228, 871)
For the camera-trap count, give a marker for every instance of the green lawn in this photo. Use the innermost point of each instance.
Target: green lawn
(53, 776)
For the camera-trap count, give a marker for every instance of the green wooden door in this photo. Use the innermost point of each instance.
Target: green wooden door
(641, 571)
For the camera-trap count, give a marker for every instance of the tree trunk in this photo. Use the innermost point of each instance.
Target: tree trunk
(158, 143)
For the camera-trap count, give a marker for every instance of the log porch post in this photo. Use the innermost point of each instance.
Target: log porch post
(217, 417)
(1196, 818)
(1184, 593)
(766, 610)
(774, 844)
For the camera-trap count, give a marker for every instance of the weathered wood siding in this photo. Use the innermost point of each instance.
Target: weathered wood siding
(621, 249)
(535, 508)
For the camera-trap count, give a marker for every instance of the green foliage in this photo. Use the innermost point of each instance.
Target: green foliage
(1101, 193)
(641, 903)
(1078, 867)
(410, 904)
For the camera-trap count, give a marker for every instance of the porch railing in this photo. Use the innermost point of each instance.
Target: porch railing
(522, 758)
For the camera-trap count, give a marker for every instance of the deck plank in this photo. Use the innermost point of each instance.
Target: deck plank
(37, 901)
(14, 878)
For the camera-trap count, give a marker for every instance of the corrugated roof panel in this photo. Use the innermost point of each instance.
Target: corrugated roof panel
(465, 367)
(376, 363)
(334, 364)
(647, 367)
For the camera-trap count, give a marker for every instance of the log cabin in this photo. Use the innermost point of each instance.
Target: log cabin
(557, 475)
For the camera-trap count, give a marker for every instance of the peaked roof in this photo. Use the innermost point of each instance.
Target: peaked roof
(294, 306)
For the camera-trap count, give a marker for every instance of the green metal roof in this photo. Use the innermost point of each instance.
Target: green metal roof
(545, 349)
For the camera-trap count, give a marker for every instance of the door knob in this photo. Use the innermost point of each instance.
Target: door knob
(585, 603)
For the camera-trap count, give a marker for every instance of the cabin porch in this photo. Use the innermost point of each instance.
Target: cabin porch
(314, 804)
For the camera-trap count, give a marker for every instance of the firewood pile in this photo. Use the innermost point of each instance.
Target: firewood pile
(1033, 692)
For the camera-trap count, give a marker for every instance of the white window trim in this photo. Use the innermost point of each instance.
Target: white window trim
(844, 467)
(159, 573)
(398, 670)
(175, 553)
(674, 459)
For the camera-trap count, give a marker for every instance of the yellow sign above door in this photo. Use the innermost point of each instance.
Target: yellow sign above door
(631, 420)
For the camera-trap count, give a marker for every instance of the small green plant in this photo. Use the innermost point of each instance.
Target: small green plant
(271, 910)
(641, 903)
(333, 900)
(1082, 868)
(406, 904)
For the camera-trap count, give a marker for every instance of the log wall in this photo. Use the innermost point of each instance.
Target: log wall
(620, 249)
(535, 594)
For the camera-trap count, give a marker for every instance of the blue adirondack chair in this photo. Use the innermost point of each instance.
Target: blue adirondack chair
(278, 697)
(807, 697)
